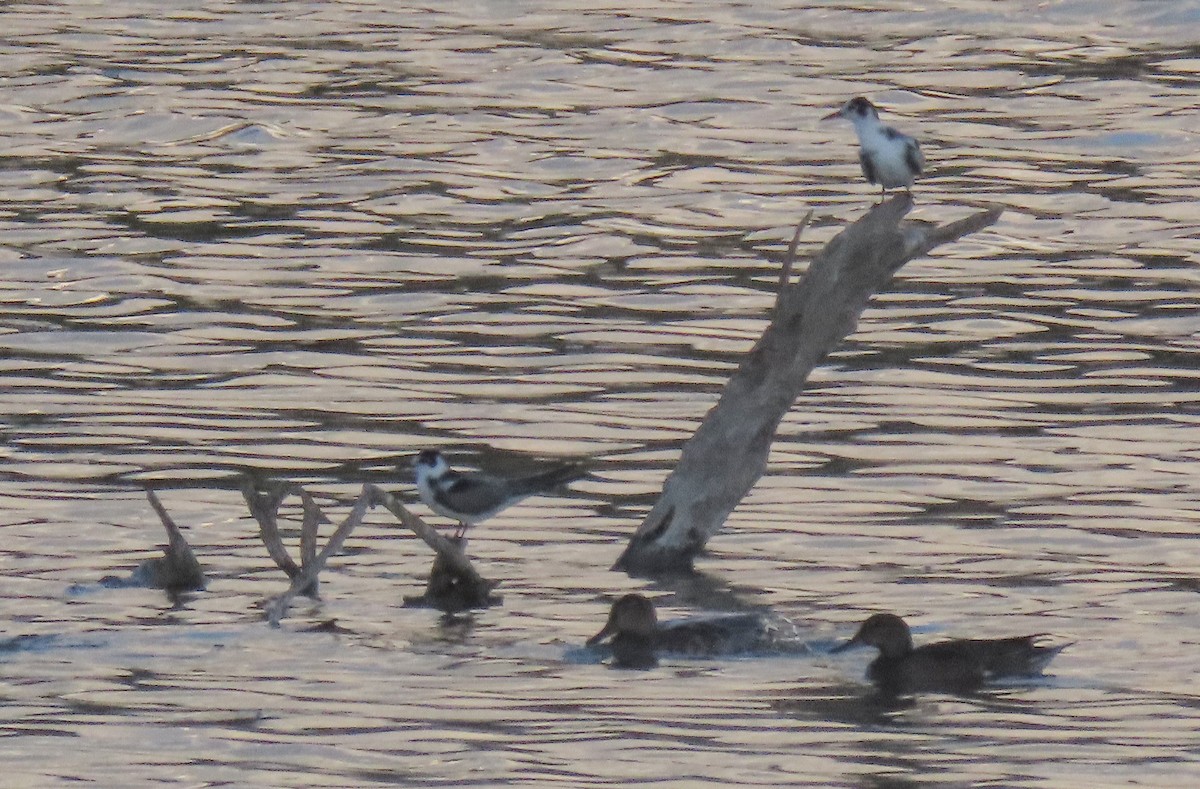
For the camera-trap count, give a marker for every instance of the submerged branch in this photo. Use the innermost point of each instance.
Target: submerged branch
(304, 582)
(177, 569)
(264, 507)
(454, 584)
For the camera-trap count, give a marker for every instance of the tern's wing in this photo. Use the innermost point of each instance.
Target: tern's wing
(470, 495)
(546, 480)
(913, 156)
(868, 167)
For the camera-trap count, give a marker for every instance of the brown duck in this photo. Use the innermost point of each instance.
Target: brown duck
(957, 666)
(637, 635)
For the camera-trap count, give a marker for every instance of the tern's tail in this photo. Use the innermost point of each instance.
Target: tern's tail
(547, 480)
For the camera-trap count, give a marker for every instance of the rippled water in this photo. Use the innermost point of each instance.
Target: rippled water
(313, 238)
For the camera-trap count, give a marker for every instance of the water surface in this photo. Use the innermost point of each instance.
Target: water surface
(310, 239)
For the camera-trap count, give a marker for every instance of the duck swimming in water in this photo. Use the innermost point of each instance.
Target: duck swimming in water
(956, 666)
(637, 635)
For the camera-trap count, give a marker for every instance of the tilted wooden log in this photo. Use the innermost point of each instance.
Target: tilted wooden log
(454, 584)
(177, 569)
(728, 453)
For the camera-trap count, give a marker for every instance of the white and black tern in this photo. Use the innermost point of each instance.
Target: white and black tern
(473, 498)
(888, 157)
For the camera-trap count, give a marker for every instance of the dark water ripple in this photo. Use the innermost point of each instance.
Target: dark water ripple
(310, 239)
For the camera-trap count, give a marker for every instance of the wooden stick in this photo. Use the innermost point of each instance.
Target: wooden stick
(786, 272)
(264, 506)
(277, 607)
(178, 568)
(451, 554)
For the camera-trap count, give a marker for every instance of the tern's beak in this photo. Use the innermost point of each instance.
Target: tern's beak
(832, 115)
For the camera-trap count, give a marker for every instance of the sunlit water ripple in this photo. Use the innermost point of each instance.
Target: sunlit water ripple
(311, 239)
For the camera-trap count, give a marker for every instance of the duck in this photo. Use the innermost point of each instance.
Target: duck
(638, 637)
(959, 665)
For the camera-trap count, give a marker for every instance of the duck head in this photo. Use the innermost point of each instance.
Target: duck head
(886, 632)
(631, 615)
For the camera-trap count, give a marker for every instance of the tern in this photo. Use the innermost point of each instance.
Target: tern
(889, 158)
(472, 498)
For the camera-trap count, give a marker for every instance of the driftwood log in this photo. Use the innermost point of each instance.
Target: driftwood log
(177, 570)
(454, 584)
(728, 453)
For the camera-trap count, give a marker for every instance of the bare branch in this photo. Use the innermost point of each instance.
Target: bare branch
(307, 578)
(789, 261)
(264, 506)
(449, 553)
(728, 453)
(178, 568)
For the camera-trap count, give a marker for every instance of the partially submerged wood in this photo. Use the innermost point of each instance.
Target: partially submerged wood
(728, 453)
(263, 501)
(312, 563)
(177, 570)
(454, 584)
